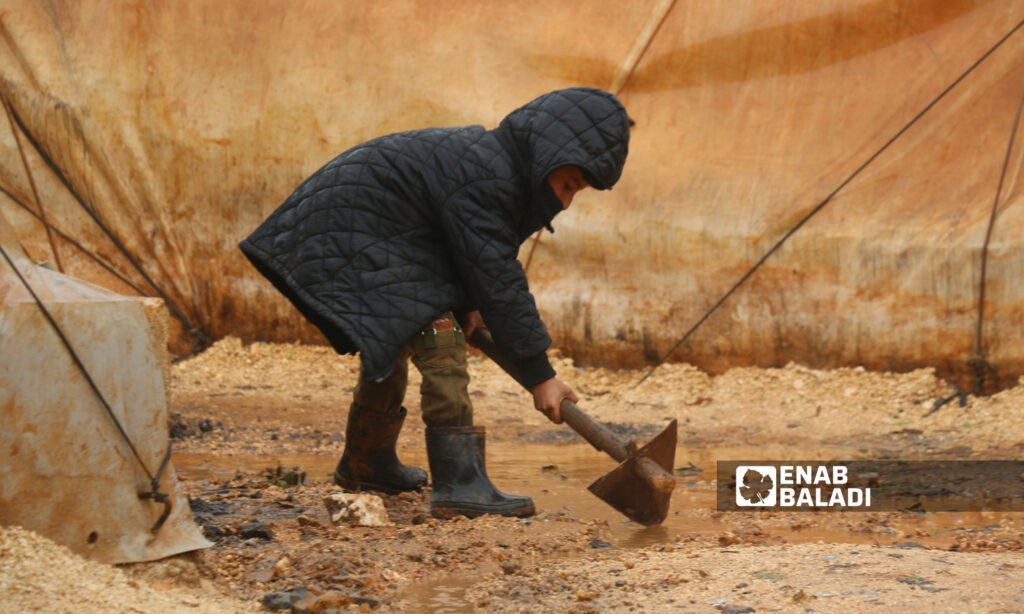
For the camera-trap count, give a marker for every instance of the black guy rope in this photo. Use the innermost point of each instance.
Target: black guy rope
(154, 480)
(979, 344)
(74, 243)
(32, 184)
(828, 198)
(192, 328)
(977, 362)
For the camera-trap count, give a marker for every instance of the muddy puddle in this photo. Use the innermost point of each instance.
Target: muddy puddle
(557, 476)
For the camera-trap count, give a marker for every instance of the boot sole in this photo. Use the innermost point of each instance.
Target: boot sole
(357, 486)
(472, 511)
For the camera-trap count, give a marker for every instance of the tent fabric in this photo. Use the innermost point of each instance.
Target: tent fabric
(185, 124)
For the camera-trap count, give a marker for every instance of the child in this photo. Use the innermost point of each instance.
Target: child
(383, 245)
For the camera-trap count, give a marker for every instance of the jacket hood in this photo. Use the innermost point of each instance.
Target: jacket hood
(579, 126)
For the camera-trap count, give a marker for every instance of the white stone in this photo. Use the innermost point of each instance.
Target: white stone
(357, 509)
(391, 575)
(282, 568)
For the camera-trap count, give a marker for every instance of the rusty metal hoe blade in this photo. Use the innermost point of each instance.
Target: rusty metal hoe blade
(638, 499)
(641, 486)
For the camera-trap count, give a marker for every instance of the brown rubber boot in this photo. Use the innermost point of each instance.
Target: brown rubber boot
(459, 473)
(369, 461)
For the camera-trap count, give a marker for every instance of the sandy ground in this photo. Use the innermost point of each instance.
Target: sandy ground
(797, 578)
(37, 575)
(243, 416)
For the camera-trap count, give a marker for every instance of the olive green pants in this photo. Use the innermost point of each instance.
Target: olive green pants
(439, 353)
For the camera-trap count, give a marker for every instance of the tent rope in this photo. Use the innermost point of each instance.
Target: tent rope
(982, 365)
(177, 313)
(75, 244)
(154, 480)
(32, 184)
(828, 198)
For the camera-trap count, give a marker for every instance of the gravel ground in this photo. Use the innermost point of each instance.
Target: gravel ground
(37, 575)
(262, 388)
(795, 578)
(274, 401)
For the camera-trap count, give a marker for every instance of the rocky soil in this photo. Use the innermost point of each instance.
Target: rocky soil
(257, 429)
(796, 578)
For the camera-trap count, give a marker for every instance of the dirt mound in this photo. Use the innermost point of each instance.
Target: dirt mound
(37, 575)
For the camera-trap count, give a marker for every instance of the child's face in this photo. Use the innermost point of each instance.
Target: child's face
(565, 182)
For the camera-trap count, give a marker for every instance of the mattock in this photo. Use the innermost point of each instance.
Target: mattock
(641, 486)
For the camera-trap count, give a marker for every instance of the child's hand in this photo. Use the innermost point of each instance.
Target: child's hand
(547, 398)
(473, 321)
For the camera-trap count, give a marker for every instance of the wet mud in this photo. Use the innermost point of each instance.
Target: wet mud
(256, 462)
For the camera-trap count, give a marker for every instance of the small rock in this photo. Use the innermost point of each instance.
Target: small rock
(509, 567)
(213, 508)
(178, 428)
(419, 518)
(205, 425)
(742, 585)
(357, 509)
(365, 602)
(306, 521)
(728, 538)
(330, 600)
(584, 596)
(285, 600)
(256, 530)
(282, 568)
(909, 545)
(600, 544)
(735, 608)
(305, 605)
(212, 532)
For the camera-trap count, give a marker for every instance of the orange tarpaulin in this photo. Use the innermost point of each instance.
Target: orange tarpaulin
(184, 124)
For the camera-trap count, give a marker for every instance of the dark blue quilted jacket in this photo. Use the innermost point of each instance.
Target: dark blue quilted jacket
(397, 230)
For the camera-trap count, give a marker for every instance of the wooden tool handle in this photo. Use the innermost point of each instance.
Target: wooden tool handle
(652, 473)
(597, 434)
(594, 432)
